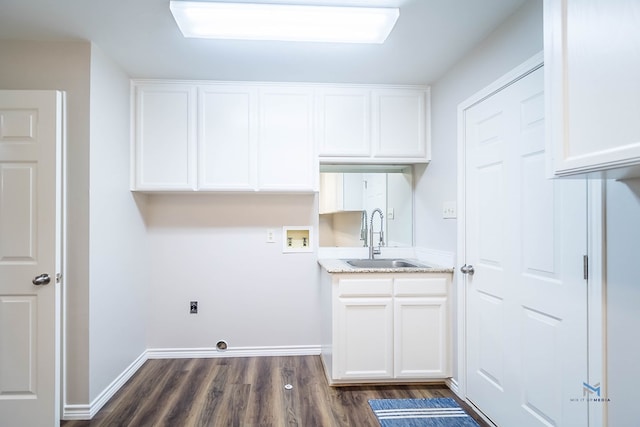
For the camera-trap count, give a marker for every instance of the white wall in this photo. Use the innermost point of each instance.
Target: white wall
(65, 66)
(623, 300)
(105, 275)
(118, 251)
(212, 249)
(512, 43)
(400, 199)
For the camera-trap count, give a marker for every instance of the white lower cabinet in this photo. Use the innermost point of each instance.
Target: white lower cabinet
(364, 328)
(388, 327)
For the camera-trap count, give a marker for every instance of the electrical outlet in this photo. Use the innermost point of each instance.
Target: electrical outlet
(193, 307)
(271, 235)
(449, 210)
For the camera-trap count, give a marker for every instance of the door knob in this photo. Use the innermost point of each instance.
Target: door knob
(42, 279)
(467, 269)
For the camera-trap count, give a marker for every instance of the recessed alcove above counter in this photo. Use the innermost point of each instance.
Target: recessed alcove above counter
(350, 193)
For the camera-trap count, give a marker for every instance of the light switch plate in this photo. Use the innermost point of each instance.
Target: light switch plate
(271, 235)
(449, 210)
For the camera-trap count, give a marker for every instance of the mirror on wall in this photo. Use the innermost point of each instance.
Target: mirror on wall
(347, 193)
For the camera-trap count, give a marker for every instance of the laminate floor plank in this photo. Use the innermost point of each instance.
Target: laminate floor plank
(213, 399)
(246, 392)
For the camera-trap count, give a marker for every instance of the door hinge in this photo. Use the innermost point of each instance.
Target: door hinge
(585, 267)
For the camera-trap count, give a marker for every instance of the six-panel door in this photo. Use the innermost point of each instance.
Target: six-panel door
(30, 248)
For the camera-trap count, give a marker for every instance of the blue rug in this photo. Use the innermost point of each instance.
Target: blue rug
(436, 412)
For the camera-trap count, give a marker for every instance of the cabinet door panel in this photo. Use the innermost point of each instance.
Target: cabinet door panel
(227, 138)
(592, 63)
(365, 338)
(400, 123)
(286, 155)
(421, 338)
(165, 137)
(344, 122)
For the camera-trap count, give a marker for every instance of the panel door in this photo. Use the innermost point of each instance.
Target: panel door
(227, 137)
(286, 153)
(30, 147)
(165, 137)
(525, 237)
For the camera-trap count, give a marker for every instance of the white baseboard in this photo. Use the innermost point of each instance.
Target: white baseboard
(87, 412)
(211, 352)
(76, 412)
(453, 386)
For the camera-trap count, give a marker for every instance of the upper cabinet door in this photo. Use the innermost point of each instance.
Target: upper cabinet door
(286, 155)
(592, 64)
(165, 128)
(227, 137)
(400, 123)
(344, 122)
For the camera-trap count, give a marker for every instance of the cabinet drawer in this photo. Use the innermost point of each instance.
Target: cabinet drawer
(365, 287)
(423, 286)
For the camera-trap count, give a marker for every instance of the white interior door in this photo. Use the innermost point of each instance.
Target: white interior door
(30, 143)
(526, 316)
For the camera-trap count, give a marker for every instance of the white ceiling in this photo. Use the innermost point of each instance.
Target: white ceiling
(141, 35)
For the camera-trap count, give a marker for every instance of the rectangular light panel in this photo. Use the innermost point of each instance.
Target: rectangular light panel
(252, 21)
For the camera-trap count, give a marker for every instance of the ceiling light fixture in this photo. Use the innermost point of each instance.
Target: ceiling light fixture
(282, 22)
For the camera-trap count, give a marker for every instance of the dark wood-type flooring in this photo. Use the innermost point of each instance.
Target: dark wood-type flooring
(246, 392)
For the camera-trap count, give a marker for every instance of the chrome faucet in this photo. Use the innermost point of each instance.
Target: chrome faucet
(372, 250)
(363, 227)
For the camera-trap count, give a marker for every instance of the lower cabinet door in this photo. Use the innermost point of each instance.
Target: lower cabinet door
(364, 338)
(421, 337)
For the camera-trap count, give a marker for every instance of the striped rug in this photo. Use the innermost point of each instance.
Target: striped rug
(436, 412)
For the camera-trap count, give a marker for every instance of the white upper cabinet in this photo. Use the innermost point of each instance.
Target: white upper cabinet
(344, 122)
(592, 64)
(400, 124)
(208, 136)
(227, 137)
(373, 124)
(165, 135)
(340, 192)
(286, 155)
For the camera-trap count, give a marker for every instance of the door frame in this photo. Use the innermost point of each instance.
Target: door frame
(596, 309)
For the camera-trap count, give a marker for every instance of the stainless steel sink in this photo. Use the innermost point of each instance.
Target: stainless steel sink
(384, 263)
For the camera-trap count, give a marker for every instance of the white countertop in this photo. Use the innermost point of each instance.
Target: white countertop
(333, 265)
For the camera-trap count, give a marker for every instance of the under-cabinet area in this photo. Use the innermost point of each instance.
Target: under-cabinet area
(348, 198)
(386, 327)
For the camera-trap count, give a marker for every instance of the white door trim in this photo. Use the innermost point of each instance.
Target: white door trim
(595, 249)
(596, 297)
